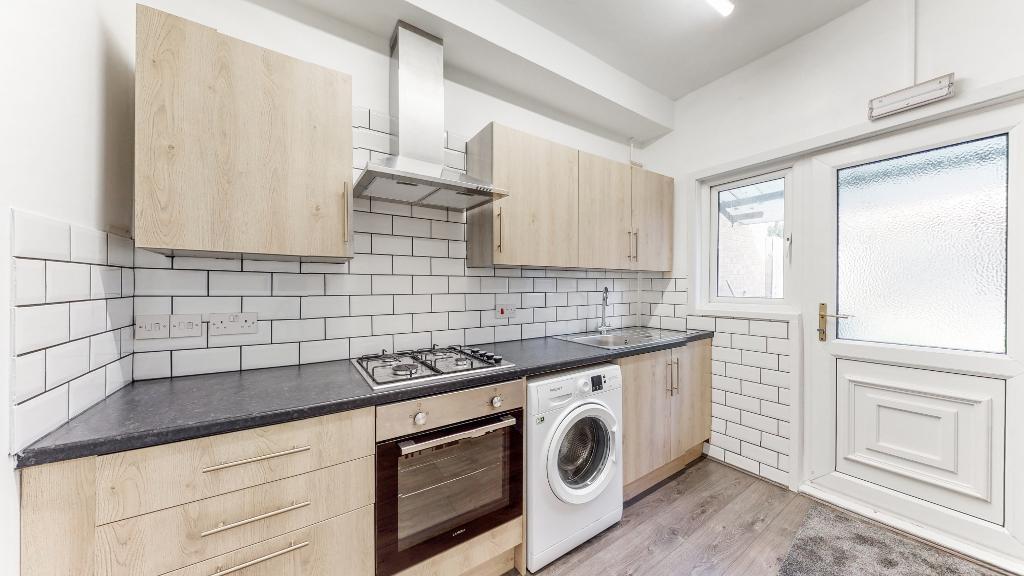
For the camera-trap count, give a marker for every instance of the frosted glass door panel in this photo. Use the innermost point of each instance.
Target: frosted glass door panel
(922, 248)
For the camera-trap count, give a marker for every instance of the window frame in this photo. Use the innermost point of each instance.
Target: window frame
(709, 300)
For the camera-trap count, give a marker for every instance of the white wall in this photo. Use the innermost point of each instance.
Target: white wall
(821, 83)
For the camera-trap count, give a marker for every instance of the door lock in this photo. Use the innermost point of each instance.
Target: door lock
(823, 317)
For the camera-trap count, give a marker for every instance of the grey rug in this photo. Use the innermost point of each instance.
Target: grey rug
(832, 543)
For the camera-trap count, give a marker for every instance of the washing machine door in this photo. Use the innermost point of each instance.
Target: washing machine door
(582, 455)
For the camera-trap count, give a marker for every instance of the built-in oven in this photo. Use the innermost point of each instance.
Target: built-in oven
(439, 488)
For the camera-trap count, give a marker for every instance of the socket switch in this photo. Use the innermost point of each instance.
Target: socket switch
(505, 311)
(152, 326)
(233, 323)
(186, 325)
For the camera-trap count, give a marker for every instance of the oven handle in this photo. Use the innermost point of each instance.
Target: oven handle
(408, 447)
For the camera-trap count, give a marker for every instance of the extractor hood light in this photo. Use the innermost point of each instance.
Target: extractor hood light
(724, 7)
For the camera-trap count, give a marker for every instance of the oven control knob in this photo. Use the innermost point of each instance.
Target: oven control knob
(496, 401)
(420, 418)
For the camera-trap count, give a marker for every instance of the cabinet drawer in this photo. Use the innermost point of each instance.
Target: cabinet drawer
(341, 546)
(161, 541)
(394, 420)
(140, 481)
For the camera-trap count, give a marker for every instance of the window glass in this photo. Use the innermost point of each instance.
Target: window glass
(922, 248)
(751, 221)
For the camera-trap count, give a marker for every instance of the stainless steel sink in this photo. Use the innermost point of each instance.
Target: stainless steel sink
(626, 337)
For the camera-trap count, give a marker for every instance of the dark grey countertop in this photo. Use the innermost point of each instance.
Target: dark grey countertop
(153, 412)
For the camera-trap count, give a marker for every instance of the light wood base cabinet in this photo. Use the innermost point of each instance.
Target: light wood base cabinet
(237, 148)
(666, 399)
(341, 546)
(297, 498)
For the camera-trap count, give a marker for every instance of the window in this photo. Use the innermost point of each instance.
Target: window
(922, 248)
(749, 241)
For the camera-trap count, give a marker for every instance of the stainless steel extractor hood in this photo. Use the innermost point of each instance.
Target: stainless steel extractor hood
(416, 174)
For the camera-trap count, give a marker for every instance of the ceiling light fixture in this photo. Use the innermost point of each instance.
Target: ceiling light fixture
(724, 7)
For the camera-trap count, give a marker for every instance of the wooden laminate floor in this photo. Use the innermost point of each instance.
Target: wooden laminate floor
(712, 519)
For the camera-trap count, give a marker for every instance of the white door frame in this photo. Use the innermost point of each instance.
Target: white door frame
(999, 545)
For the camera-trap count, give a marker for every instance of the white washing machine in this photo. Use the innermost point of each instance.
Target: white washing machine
(573, 460)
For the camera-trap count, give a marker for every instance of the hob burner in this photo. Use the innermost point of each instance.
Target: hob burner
(405, 369)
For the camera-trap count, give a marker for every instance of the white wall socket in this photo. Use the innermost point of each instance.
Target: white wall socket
(186, 325)
(152, 326)
(505, 311)
(233, 323)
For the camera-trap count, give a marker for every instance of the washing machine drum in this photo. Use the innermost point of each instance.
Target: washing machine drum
(581, 456)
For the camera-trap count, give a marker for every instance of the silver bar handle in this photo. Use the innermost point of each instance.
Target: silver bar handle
(348, 212)
(290, 548)
(408, 447)
(256, 459)
(675, 383)
(668, 383)
(629, 245)
(499, 229)
(224, 527)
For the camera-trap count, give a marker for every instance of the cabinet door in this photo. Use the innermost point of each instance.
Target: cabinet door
(604, 207)
(646, 443)
(537, 224)
(653, 196)
(237, 148)
(690, 420)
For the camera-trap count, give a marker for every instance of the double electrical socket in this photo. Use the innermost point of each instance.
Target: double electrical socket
(191, 325)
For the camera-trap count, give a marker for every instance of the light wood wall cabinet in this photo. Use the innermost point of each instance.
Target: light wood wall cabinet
(237, 148)
(566, 208)
(272, 500)
(652, 216)
(666, 399)
(537, 224)
(606, 227)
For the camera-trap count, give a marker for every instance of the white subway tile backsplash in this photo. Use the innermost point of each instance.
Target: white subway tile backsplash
(479, 335)
(152, 305)
(393, 245)
(85, 391)
(371, 345)
(205, 361)
(347, 284)
(429, 285)
(28, 375)
(196, 263)
(90, 317)
(270, 355)
(324, 306)
(29, 282)
(66, 362)
(236, 284)
(297, 330)
(40, 237)
(206, 305)
(87, 245)
(260, 265)
(412, 303)
(412, 265)
(163, 282)
(103, 349)
(323, 350)
(412, 341)
(37, 327)
(150, 259)
(298, 285)
(149, 365)
(387, 284)
(447, 230)
(348, 327)
(392, 324)
(370, 264)
(410, 227)
(119, 374)
(429, 247)
(67, 281)
(120, 251)
(261, 336)
(34, 418)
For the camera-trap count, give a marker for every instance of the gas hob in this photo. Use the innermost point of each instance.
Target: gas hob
(412, 367)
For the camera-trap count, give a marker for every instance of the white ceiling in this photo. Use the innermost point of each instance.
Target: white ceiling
(676, 46)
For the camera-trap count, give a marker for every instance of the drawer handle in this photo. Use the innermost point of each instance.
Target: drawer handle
(290, 548)
(224, 527)
(255, 459)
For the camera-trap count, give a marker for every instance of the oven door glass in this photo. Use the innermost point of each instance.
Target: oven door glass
(438, 489)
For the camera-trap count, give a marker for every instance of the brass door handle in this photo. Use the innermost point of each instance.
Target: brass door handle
(244, 565)
(823, 317)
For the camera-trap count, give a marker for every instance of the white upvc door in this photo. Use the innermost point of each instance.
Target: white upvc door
(914, 404)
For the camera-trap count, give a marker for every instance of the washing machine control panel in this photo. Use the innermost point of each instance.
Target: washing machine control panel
(554, 392)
